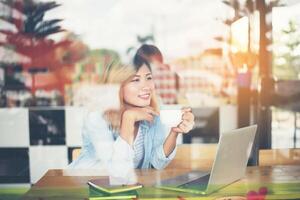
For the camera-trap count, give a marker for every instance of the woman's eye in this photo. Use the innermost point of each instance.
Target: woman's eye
(134, 80)
(149, 78)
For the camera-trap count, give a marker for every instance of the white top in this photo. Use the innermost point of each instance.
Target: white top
(139, 149)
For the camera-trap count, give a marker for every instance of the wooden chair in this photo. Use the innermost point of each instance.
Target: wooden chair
(75, 153)
(269, 157)
(194, 156)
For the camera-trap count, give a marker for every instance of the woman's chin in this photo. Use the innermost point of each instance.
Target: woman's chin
(138, 104)
(143, 104)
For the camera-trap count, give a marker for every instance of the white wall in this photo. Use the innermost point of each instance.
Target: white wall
(42, 158)
(14, 127)
(228, 118)
(74, 121)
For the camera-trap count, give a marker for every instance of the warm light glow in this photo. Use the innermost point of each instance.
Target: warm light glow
(239, 30)
(234, 49)
(244, 69)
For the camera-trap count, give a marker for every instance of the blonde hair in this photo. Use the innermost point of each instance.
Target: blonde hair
(123, 75)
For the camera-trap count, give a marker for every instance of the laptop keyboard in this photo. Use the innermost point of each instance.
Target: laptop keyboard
(182, 179)
(199, 182)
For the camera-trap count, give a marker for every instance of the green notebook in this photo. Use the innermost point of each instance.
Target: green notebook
(99, 195)
(101, 189)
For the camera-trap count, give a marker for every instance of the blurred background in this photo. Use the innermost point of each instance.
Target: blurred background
(235, 62)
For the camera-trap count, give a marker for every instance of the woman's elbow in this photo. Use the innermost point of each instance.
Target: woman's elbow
(160, 165)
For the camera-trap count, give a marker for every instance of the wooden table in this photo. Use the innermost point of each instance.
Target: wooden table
(283, 182)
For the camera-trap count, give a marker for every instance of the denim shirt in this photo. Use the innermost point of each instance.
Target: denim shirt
(103, 149)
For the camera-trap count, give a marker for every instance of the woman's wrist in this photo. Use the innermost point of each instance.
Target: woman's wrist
(127, 128)
(173, 133)
(170, 143)
(128, 117)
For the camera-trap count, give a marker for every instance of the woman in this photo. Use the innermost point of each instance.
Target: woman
(138, 139)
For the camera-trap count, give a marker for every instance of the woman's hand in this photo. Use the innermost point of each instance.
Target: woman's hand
(185, 126)
(138, 114)
(130, 117)
(187, 123)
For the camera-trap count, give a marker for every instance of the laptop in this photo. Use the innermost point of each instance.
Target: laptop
(230, 165)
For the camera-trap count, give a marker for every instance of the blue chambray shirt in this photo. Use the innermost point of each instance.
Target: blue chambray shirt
(103, 149)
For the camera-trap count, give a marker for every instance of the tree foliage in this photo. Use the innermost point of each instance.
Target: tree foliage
(287, 52)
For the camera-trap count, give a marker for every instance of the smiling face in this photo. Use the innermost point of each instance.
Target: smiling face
(138, 91)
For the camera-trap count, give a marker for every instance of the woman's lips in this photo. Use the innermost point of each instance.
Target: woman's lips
(144, 96)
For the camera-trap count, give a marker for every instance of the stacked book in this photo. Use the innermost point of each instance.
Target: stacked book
(101, 189)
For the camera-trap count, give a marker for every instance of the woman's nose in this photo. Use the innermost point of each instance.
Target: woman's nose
(144, 84)
(146, 88)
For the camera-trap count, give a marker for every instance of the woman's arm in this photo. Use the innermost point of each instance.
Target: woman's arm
(130, 117)
(127, 128)
(184, 127)
(114, 155)
(170, 143)
(164, 148)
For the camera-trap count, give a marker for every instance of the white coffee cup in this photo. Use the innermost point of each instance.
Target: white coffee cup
(171, 115)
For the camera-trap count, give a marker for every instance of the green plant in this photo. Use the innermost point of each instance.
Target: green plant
(286, 55)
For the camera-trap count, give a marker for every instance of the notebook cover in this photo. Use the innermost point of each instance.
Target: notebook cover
(104, 186)
(95, 194)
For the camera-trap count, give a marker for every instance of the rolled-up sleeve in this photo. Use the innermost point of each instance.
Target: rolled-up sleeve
(158, 159)
(122, 167)
(96, 131)
(116, 155)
